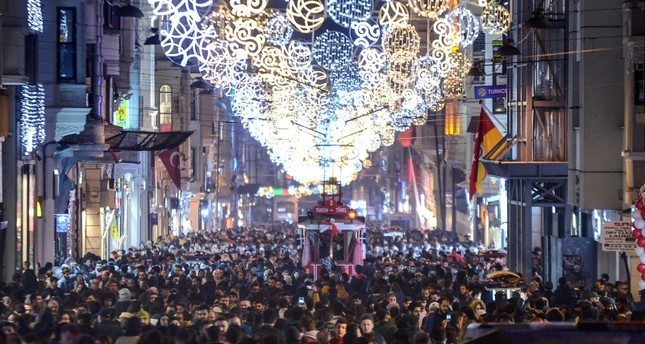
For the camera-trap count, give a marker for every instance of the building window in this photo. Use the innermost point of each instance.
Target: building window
(193, 161)
(111, 20)
(165, 108)
(66, 43)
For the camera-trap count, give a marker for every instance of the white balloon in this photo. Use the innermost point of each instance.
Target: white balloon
(641, 285)
(636, 214)
(639, 250)
(640, 223)
(642, 258)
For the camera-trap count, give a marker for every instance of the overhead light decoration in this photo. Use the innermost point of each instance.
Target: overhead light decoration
(322, 95)
(35, 16)
(496, 20)
(432, 9)
(365, 33)
(306, 15)
(393, 12)
(468, 25)
(278, 30)
(333, 50)
(32, 116)
(346, 12)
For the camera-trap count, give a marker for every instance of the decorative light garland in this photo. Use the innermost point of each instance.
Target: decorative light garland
(32, 119)
(34, 16)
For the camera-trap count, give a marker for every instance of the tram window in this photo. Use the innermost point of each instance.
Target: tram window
(324, 246)
(339, 247)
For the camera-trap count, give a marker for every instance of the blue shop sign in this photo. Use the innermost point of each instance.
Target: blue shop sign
(497, 91)
(61, 222)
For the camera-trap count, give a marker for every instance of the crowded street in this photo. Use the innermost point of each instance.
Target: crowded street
(249, 286)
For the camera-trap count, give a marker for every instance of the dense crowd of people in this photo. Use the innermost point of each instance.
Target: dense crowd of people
(248, 286)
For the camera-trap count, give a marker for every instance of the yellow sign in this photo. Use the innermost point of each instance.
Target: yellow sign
(114, 232)
(121, 114)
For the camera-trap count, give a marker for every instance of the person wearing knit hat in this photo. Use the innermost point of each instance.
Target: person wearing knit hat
(124, 295)
(145, 317)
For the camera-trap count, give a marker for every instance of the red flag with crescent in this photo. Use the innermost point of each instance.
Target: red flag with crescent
(171, 160)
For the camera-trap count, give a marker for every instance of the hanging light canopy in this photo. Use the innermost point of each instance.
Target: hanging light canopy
(320, 107)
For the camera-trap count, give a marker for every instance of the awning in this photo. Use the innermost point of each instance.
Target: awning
(147, 140)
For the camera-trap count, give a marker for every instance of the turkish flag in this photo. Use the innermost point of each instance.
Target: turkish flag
(171, 160)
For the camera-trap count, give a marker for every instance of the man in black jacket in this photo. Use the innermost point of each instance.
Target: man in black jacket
(108, 326)
(269, 317)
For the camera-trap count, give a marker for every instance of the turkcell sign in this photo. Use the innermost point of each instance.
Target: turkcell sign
(483, 92)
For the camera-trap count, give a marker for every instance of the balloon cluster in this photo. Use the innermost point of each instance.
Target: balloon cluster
(638, 214)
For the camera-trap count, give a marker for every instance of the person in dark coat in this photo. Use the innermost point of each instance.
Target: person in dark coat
(564, 295)
(269, 317)
(108, 326)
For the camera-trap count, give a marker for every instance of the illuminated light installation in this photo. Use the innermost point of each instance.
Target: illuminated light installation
(496, 20)
(34, 16)
(306, 15)
(248, 8)
(298, 55)
(322, 105)
(371, 60)
(183, 39)
(32, 116)
(401, 42)
(393, 12)
(468, 25)
(345, 12)
(278, 30)
(333, 50)
(246, 38)
(365, 33)
(453, 86)
(432, 9)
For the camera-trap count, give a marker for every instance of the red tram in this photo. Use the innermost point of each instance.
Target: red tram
(332, 235)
